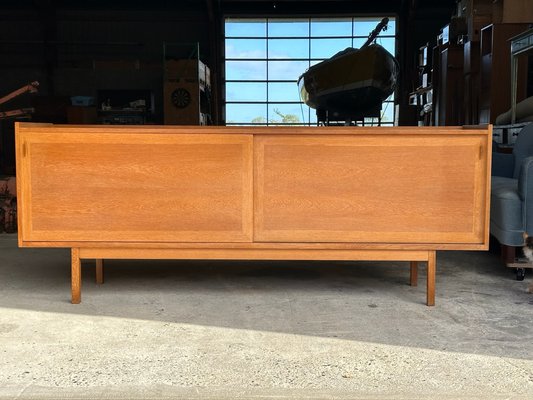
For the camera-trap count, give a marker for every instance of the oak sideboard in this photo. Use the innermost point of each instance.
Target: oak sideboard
(273, 193)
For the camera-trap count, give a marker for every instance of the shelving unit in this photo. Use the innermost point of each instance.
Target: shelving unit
(520, 45)
(422, 97)
(471, 59)
(449, 105)
(495, 71)
(125, 107)
(186, 87)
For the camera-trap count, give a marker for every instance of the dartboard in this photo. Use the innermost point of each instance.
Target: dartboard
(181, 98)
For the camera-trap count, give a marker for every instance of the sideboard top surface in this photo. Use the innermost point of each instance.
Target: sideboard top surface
(254, 130)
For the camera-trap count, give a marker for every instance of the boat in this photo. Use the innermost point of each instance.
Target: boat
(353, 83)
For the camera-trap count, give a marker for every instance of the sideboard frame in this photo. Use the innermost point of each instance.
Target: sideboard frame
(275, 187)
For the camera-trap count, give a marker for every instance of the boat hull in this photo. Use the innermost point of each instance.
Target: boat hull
(353, 83)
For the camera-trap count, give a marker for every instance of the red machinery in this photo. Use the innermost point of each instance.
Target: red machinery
(31, 88)
(8, 203)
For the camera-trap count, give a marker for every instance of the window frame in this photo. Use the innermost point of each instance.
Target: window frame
(308, 114)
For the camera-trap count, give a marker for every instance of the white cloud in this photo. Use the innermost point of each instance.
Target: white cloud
(233, 52)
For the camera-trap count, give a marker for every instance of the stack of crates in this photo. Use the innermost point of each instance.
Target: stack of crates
(8, 205)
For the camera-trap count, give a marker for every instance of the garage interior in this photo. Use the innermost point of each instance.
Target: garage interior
(244, 329)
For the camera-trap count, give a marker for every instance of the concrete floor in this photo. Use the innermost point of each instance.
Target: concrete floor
(262, 330)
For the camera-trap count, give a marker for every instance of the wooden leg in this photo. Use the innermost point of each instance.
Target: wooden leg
(432, 266)
(99, 271)
(76, 276)
(414, 273)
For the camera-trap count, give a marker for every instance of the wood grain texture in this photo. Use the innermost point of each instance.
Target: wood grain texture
(250, 254)
(431, 276)
(329, 193)
(413, 273)
(427, 188)
(124, 187)
(247, 130)
(398, 189)
(75, 276)
(259, 245)
(99, 271)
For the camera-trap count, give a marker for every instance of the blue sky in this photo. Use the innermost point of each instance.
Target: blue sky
(287, 40)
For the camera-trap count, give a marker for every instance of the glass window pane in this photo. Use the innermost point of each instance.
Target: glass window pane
(358, 42)
(239, 91)
(391, 28)
(245, 48)
(363, 27)
(331, 27)
(246, 113)
(312, 116)
(290, 28)
(371, 121)
(246, 70)
(283, 91)
(289, 39)
(309, 115)
(286, 113)
(387, 112)
(325, 48)
(286, 70)
(388, 43)
(245, 27)
(245, 124)
(288, 48)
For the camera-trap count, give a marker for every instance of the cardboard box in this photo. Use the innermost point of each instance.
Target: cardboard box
(480, 13)
(479, 7)
(190, 70)
(517, 11)
(181, 104)
(81, 115)
(8, 184)
(82, 101)
(8, 204)
(475, 24)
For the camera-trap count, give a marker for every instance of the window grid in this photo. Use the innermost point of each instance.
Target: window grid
(310, 60)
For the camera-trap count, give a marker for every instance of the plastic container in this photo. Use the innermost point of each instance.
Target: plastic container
(82, 100)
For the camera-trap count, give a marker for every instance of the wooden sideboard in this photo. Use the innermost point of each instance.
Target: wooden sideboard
(277, 193)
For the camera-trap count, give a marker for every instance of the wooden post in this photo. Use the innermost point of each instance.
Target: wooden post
(432, 264)
(414, 273)
(99, 271)
(76, 276)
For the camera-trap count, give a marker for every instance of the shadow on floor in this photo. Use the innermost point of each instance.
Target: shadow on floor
(480, 308)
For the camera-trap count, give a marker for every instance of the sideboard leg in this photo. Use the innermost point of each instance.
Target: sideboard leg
(76, 276)
(432, 266)
(99, 271)
(414, 273)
